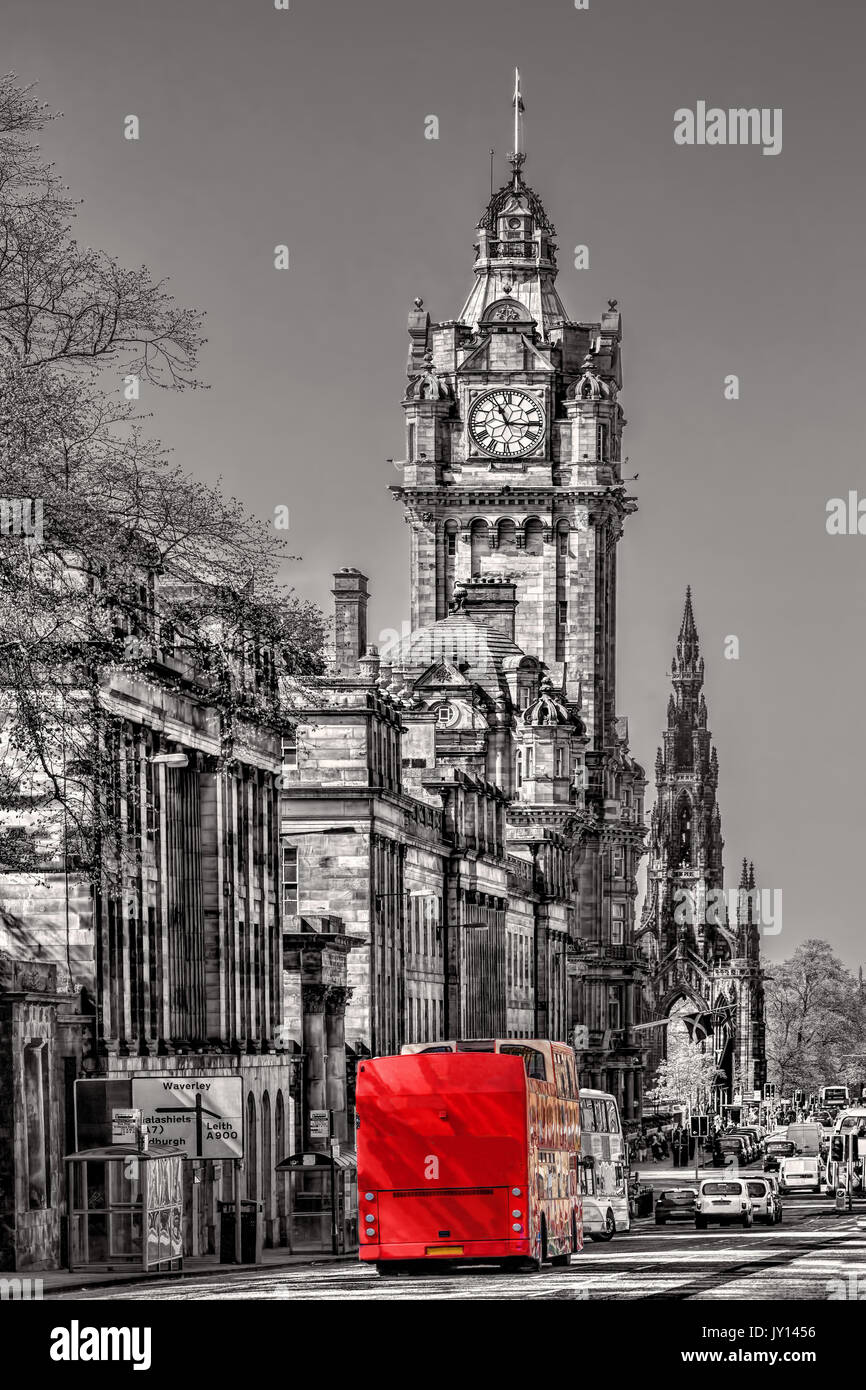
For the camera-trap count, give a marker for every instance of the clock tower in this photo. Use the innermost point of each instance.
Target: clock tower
(513, 491)
(513, 454)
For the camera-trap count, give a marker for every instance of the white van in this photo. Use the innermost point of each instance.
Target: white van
(801, 1174)
(806, 1138)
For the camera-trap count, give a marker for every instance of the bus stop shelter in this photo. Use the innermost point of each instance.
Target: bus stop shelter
(125, 1209)
(323, 1202)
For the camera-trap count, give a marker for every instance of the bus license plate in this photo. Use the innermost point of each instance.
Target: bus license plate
(444, 1250)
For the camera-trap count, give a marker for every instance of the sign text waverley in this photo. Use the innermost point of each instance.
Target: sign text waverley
(198, 1117)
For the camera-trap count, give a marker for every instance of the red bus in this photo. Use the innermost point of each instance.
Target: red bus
(469, 1152)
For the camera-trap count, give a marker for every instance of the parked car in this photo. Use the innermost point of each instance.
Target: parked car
(776, 1150)
(802, 1174)
(725, 1200)
(753, 1133)
(675, 1204)
(766, 1202)
(733, 1146)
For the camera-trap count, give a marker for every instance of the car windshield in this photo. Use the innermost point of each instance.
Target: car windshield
(757, 1189)
(721, 1189)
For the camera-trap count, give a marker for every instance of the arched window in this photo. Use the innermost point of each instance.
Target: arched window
(684, 832)
(450, 536)
(479, 543)
(267, 1171)
(252, 1149)
(507, 535)
(534, 536)
(518, 768)
(280, 1152)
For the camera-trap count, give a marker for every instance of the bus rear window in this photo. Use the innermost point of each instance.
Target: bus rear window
(533, 1060)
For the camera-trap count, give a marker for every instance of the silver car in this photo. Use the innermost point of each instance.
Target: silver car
(725, 1200)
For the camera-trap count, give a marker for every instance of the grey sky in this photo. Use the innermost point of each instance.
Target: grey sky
(260, 127)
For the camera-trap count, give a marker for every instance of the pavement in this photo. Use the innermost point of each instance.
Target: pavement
(63, 1281)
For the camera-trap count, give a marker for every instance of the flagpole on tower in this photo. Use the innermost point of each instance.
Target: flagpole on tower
(516, 157)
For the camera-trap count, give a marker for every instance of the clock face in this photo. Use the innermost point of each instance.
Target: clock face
(506, 423)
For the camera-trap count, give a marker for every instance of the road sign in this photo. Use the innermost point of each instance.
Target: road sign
(195, 1116)
(125, 1126)
(320, 1124)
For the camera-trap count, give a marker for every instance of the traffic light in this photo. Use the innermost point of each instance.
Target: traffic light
(837, 1148)
(770, 1090)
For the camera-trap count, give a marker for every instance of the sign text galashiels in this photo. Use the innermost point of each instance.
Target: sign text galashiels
(198, 1117)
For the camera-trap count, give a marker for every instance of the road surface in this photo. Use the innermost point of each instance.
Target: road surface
(813, 1254)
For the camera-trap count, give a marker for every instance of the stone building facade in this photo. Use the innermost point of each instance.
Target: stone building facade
(702, 952)
(175, 944)
(465, 799)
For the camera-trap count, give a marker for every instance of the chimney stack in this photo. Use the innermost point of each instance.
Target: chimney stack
(350, 621)
(491, 601)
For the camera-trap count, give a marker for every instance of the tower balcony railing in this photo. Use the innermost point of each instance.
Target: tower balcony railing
(512, 250)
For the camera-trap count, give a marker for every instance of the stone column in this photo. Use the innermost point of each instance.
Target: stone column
(629, 1095)
(336, 997)
(315, 1070)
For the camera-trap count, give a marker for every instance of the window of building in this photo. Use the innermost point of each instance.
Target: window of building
(562, 542)
(614, 1008)
(290, 880)
(562, 762)
(451, 542)
(619, 863)
(601, 443)
(617, 924)
(518, 768)
(411, 442)
(562, 612)
(530, 762)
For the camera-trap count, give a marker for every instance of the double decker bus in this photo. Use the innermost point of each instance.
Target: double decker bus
(833, 1098)
(603, 1175)
(469, 1152)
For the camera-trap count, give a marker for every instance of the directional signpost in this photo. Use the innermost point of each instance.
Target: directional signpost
(197, 1117)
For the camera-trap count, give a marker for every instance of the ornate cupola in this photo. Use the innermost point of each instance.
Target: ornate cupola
(515, 252)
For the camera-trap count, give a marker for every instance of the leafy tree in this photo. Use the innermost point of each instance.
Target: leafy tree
(816, 1021)
(686, 1076)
